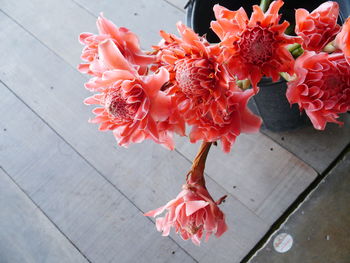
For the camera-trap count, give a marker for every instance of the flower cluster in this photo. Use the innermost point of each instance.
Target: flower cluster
(151, 96)
(206, 94)
(322, 83)
(187, 81)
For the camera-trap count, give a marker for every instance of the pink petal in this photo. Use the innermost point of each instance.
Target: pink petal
(111, 56)
(193, 206)
(155, 212)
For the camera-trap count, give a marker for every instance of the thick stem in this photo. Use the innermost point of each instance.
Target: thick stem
(264, 5)
(196, 174)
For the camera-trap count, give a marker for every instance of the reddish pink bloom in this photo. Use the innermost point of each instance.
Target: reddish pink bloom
(204, 91)
(342, 40)
(257, 46)
(322, 87)
(192, 214)
(131, 105)
(125, 40)
(318, 28)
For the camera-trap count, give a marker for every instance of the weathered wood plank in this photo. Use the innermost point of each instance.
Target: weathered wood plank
(316, 148)
(255, 172)
(319, 226)
(26, 234)
(180, 4)
(143, 17)
(97, 218)
(125, 168)
(58, 25)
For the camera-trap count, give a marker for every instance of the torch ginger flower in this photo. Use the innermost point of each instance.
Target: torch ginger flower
(131, 105)
(342, 41)
(318, 28)
(193, 212)
(257, 46)
(206, 94)
(322, 87)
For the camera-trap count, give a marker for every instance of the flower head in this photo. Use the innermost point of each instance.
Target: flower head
(205, 93)
(131, 105)
(342, 41)
(322, 87)
(257, 46)
(193, 213)
(319, 27)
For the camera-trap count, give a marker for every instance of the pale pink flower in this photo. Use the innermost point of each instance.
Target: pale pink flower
(254, 47)
(193, 214)
(322, 87)
(319, 27)
(131, 105)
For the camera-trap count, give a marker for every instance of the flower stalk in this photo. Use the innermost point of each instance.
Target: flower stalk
(196, 174)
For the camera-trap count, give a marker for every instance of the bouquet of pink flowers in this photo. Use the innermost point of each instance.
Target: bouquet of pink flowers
(186, 81)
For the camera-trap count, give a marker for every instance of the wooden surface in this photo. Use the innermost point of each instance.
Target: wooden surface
(26, 234)
(180, 4)
(258, 172)
(316, 148)
(94, 191)
(92, 213)
(320, 226)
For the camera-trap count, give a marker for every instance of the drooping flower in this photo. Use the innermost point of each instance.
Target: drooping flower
(342, 41)
(193, 214)
(254, 47)
(319, 27)
(131, 105)
(126, 41)
(205, 93)
(322, 87)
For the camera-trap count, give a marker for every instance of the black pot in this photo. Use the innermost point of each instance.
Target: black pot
(271, 102)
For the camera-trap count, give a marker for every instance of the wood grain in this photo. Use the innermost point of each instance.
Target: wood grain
(316, 148)
(180, 4)
(26, 234)
(97, 218)
(143, 17)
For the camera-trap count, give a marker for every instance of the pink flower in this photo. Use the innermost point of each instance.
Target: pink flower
(125, 40)
(342, 41)
(322, 87)
(131, 105)
(257, 46)
(192, 214)
(205, 93)
(318, 28)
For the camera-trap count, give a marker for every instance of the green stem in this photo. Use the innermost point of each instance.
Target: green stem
(295, 49)
(264, 5)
